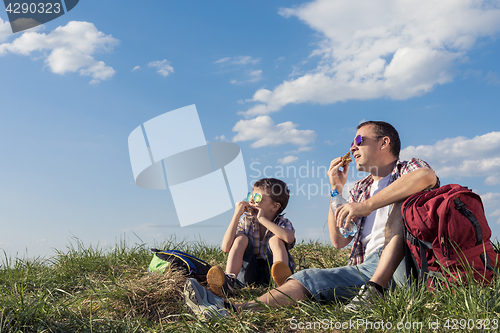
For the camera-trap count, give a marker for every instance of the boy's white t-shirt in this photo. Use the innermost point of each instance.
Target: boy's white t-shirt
(373, 234)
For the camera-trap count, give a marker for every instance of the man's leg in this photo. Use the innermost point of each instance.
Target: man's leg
(325, 285)
(392, 255)
(393, 249)
(287, 294)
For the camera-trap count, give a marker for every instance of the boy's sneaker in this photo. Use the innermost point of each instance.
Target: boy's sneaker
(201, 302)
(220, 283)
(366, 297)
(280, 272)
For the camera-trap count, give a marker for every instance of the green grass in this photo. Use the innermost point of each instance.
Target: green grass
(89, 289)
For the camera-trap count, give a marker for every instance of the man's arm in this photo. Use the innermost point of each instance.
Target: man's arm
(400, 189)
(337, 178)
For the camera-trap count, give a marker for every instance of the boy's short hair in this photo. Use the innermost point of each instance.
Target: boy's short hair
(385, 129)
(277, 190)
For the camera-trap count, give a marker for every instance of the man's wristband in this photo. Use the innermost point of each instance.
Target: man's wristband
(334, 193)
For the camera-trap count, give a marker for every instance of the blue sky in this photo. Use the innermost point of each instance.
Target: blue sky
(288, 81)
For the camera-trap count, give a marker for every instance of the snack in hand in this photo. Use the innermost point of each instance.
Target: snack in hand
(346, 159)
(250, 210)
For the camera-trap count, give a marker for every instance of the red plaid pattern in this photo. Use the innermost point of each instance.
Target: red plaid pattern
(361, 192)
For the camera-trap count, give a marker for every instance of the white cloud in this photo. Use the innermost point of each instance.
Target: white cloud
(288, 159)
(265, 133)
(279, 61)
(239, 60)
(164, 67)
(382, 48)
(253, 76)
(299, 150)
(136, 68)
(221, 138)
(222, 60)
(462, 157)
(5, 30)
(495, 213)
(492, 200)
(241, 63)
(492, 78)
(70, 49)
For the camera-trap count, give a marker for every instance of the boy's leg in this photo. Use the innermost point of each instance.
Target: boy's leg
(282, 262)
(250, 269)
(222, 283)
(278, 249)
(235, 257)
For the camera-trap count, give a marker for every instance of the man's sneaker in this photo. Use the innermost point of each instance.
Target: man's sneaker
(220, 283)
(366, 297)
(201, 302)
(280, 272)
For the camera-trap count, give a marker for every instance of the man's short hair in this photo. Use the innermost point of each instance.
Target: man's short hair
(277, 190)
(381, 128)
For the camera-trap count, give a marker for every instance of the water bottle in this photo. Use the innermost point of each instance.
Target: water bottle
(337, 201)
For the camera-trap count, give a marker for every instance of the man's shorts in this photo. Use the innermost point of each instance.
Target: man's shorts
(342, 283)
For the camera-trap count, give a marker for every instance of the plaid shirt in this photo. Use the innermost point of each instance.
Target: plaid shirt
(361, 192)
(250, 227)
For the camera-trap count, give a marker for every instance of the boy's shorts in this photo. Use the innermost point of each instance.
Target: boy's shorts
(257, 270)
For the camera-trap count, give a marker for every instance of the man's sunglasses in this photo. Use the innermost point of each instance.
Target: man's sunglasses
(358, 140)
(257, 197)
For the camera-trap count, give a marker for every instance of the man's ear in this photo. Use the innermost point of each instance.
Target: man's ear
(277, 206)
(385, 142)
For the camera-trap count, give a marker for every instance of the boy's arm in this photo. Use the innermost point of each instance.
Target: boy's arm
(229, 236)
(284, 234)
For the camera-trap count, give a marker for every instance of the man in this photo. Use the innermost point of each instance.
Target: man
(375, 150)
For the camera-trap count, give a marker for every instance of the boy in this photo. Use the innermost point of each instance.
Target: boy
(258, 236)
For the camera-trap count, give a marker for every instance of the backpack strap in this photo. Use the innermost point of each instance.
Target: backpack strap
(487, 263)
(462, 208)
(422, 271)
(422, 245)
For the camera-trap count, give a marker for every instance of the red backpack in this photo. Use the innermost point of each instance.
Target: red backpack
(447, 234)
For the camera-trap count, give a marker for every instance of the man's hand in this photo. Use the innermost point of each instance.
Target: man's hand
(351, 211)
(338, 177)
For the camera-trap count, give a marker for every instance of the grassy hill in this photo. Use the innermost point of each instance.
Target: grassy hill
(88, 289)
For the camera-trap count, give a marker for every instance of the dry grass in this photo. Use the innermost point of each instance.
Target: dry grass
(156, 297)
